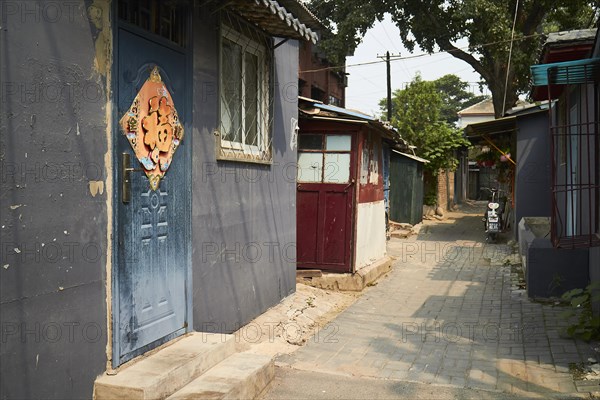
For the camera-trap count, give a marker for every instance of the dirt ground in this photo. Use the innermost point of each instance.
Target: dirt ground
(288, 325)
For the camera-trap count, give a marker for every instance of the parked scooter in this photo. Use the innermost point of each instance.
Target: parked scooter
(492, 218)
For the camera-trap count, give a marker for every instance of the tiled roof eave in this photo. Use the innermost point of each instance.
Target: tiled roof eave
(274, 19)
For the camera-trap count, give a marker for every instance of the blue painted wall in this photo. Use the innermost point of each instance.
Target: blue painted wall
(243, 215)
(53, 231)
(53, 142)
(532, 186)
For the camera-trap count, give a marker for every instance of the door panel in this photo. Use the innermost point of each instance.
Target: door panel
(334, 228)
(153, 228)
(308, 209)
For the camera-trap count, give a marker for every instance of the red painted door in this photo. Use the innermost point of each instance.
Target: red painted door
(325, 201)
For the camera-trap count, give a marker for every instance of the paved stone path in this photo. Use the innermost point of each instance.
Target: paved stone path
(449, 313)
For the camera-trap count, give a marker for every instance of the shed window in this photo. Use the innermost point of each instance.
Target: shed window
(245, 92)
(324, 158)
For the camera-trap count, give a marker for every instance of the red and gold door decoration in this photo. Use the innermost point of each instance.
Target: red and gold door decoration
(153, 129)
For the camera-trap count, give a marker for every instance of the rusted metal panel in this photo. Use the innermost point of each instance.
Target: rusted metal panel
(371, 167)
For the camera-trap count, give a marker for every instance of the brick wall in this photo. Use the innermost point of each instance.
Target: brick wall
(445, 189)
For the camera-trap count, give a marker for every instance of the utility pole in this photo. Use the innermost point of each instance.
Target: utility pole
(389, 85)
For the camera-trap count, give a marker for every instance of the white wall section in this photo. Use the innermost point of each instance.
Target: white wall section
(370, 233)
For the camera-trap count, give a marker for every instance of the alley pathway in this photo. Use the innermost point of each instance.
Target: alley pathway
(450, 313)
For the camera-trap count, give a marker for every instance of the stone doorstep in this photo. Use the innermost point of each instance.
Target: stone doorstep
(241, 376)
(350, 282)
(161, 374)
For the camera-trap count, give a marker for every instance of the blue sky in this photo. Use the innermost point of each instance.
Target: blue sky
(367, 84)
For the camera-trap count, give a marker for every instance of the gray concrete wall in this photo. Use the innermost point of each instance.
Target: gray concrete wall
(532, 186)
(551, 272)
(243, 215)
(53, 143)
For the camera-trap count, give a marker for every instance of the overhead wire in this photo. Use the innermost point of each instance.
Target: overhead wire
(509, 56)
(395, 47)
(395, 58)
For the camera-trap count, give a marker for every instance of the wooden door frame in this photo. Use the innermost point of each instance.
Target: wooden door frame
(336, 128)
(113, 301)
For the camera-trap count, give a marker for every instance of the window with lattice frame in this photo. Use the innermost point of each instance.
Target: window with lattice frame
(245, 92)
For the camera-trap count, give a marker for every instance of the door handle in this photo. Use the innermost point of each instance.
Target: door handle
(126, 170)
(126, 177)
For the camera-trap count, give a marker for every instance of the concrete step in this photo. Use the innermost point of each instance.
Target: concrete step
(168, 370)
(241, 376)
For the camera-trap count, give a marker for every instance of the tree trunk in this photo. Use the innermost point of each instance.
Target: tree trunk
(497, 89)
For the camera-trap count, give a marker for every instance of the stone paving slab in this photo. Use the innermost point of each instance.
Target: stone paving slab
(449, 313)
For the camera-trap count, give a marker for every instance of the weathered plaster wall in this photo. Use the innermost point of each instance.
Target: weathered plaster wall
(370, 169)
(53, 198)
(370, 233)
(243, 215)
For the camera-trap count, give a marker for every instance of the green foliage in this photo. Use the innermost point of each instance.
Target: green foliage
(417, 114)
(439, 24)
(455, 96)
(430, 199)
(587, 326)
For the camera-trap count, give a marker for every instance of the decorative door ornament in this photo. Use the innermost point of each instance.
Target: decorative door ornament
(152, 127)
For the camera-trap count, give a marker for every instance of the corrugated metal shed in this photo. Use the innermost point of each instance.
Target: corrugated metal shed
(567, 72)
(311, 108)
(477, 131)
(412, 157)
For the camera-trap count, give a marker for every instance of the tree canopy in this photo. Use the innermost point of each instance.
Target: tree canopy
(455, 97)
(417, 114)
(439, 24)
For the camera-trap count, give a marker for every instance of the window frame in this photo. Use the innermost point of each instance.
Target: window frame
(573, 223)
(242, 151)
(323, 152)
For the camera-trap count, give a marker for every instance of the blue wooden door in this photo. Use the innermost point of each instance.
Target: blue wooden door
(152, 228)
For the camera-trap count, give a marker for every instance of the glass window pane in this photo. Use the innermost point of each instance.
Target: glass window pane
(310, 142)
(338, 143)
(310, 167)
(231, 96)
(337, 168)
(252, 99)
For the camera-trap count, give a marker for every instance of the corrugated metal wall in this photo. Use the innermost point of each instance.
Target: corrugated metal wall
(406, 189)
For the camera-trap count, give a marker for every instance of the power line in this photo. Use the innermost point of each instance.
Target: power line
(390, 39)
(377, 40)
(509, 56)
(399, 57)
